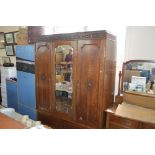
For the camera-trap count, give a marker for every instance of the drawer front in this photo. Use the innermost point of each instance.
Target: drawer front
(57, 123)
(68, 125)
(117, 126)
(120, 122)
(148, 126)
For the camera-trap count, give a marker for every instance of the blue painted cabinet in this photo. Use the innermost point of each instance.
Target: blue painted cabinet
(11, 87)
(26, 80)
(26, 89)
(25, 52)
(24, 110)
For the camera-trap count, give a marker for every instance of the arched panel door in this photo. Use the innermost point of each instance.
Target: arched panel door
(43, 76)
(88, 88)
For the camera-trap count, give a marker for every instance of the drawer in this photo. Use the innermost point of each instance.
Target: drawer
(55, 122)
(113, 125)
(148, 126)
(116, 121)
(60, 124)
(68, 125)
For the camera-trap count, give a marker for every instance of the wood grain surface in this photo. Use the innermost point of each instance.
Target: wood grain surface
(9, 123)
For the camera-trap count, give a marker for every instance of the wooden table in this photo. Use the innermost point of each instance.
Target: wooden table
(9, 123)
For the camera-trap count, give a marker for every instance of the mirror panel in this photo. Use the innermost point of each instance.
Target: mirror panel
(139, 76)
(63, 72)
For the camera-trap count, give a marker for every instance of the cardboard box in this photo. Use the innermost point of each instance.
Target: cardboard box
(140, 99)
(136, 112)
(129, 73)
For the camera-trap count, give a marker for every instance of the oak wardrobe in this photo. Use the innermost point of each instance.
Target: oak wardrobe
(75, 78)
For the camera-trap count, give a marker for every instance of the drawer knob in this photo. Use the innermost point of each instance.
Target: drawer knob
(81, 118)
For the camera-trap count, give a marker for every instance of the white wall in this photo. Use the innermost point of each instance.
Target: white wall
(120, 35)
(140, 43)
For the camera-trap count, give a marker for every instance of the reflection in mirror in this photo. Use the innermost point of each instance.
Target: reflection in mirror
(63, 71)
(139, 76)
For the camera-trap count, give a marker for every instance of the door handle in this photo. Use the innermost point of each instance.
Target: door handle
(89, 84)
(43, 77)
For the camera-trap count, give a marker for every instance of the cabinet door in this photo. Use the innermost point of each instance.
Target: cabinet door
(26, 89)
(88, 89)
(43, 76)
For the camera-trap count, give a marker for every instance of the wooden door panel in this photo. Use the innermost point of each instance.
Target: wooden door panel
(88, 75)
(43, 82)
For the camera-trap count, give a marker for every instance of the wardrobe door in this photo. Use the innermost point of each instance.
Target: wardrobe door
(43, 76)
(88, 89)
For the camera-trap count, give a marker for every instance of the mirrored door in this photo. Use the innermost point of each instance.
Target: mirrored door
(63, 78)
